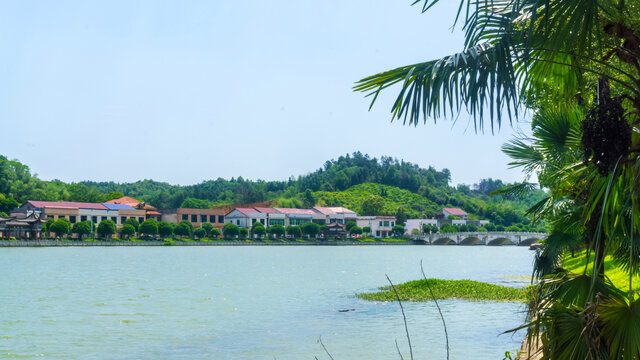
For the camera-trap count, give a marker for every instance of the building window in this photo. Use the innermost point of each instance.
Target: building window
(238, 222)
(253, 221)
(185, 217)
(340, 221)
(380, 223)
(378, 233)
(220, 219)
(94, 219)
(140, 220)
(61, 217)
(392, 224)
(83, 218)
(386, 224)
(212, 218)
(319, 221)
(72, 219)
(114, 219)
(262, 221)
(123, 219)
(194, 218)
(203, 218)
(276, 222)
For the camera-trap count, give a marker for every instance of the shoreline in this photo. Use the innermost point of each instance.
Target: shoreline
(56, 243)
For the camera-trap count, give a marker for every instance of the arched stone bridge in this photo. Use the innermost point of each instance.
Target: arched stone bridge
(483, 238)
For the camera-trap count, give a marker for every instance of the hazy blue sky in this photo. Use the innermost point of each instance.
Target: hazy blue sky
(185, 91)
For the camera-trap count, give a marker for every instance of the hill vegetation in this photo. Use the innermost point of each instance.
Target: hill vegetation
(370, 186)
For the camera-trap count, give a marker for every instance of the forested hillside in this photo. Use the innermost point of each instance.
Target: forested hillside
(367, 185)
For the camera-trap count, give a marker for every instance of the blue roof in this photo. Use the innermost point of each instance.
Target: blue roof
(118, 207)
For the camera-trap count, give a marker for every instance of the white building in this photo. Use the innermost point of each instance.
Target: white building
(418, 224)
(381, 226)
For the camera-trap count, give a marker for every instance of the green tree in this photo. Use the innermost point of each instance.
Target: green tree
(258, 229)
(356, 230)
(193, 203)
(463, 228)
(276, 230)
(472, 227)
(372, 205)
(81, 228)
(127, 231)
(215, 232)
(311, 229)
(294, 230)
(307, 199)
(490, 227)
(183, 229)
(133, 222)
(366, 230)
(207, 227)
(200, 233)
(243, 232)
(397, 230)
(106, 228)
(401, 216)
(149, 227)
(349, 225)
(59, 227)
(165, 229)
(448, 228)
(230, 230)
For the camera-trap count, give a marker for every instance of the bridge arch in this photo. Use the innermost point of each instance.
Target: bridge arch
(471, 240)
(528, 241)
(444, 241)
(501, 241)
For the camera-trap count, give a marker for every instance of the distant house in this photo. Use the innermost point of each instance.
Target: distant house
(150, 212)
(381, 226)
(246, 217)
(335, 214)
(457, 212)
(197, 217)
(418, 224)
(22, 226)
(79, 211)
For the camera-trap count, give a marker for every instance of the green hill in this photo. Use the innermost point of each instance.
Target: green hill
(404, 187)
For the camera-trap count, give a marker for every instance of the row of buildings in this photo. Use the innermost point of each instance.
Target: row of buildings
(26, 221)
(453, 216)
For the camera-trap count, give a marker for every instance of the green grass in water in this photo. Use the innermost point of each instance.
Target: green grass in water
(417, 290)
(618, 277)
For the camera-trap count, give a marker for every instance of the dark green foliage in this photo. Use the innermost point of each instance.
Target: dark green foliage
(243, 232)
(349, 225)
(133, 222)
(59, 227)
(215, 232)
(500, 228)
(258, 229)
(397, 230)
(81, 228)
(311, 229)
(230, 230)
(448, 228)
(356, 230)
(149, 227)
(193, 203)
(184, 228)
(207, 227)
(294, 230)
(372, 205)
(401, 216)
(446, 289)
(463, 228)
(366, 230)
(106, 228)
(200, 233)
(276, 230)
(489, 227)
(127, 230)
(165, 229)
(7, 204)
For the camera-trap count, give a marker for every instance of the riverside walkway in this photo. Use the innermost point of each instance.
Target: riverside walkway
(482, 238)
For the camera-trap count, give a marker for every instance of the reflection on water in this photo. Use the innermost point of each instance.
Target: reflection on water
(247, 302)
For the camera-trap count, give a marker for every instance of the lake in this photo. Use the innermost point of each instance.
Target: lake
(248, 302)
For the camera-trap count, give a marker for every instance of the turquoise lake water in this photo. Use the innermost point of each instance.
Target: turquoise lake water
(233, 302)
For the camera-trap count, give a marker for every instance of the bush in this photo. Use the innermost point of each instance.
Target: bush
(127, 230)
(215, 232)
(165, 229)
(133, 222)
(207, 227)
(356, 230)
(81, 228)
(243, 232)
(148, 227)
(184, 228)
(277, 230)
(230, 230)
(106, 228)
(311, 229)
(258, 229)
(398, 230)
(60, 227)
(472, 227)
(200, 233)
(448, 228)
(490, 227)
(293, 230)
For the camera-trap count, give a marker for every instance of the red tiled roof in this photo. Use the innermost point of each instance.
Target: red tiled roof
(455, 211)
(67, 204)
(126, 200)
(247, 211)
(266, 210)
(296, 211)
(333, 210)
(153, 213)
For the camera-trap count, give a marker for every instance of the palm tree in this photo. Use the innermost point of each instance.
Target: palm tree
(576, 65)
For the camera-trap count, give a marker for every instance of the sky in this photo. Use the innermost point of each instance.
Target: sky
(187, 91)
